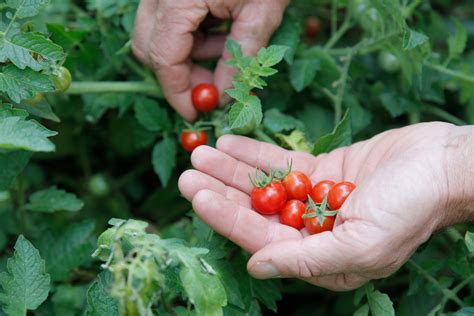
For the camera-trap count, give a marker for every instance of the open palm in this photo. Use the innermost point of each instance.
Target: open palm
(398, 203)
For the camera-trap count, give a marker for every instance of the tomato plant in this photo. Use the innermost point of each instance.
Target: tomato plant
(82, 157)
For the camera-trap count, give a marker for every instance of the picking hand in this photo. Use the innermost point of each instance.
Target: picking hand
(167, 38)
(404, 193)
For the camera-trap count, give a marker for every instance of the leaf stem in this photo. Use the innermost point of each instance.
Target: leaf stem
(138, 69)
(339, 34)
(342, 88)
(85, 87)
(450, 72)
(444, 115)
(261, 135)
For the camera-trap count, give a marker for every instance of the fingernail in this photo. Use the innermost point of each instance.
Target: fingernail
(265, 270)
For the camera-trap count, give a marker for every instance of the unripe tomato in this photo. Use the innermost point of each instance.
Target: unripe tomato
(320, 190)
(297, 186)
(313, 225)
(190, 140)
(98, 185)
(269, 199)
(339, 193)
(292, 214)
(205, 97)
(62, 79)
(388, 62)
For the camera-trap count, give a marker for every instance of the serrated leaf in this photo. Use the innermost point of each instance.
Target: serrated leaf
(380, 304)
(295, 141)
(53, 200)
(11, 165)
(41, 110)
(6, 110)
(413, 39)
(23, 84)
(341, 136)
(303, 72)
(19, 134)
(65, 38)
(164, 159)
(272, 55)
(277, 122)
(267, 292)
(242, 115)
(21, 48)
(26, 284)
(362, 311)
(99, 302)
(233, 48)
(74, 246)
(457, 43)
(151, 115)
(288, 34)
(27, 8)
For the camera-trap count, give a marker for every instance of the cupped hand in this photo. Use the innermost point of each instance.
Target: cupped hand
(167, 38)
(401, 198)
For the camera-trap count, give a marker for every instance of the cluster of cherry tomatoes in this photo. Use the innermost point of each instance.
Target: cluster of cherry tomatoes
(286, 194)
(205, 98)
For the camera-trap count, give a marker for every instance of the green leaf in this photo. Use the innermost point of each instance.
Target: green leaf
(26, 284)
(41, 110)
(19, 134)
(397, 105)
(341, 136)
(99, 302)
(6, 110)
(233, 48)
(164, 159)
(469, 239)
(23, 84)
(29, 8)
(295, 141)
(242, 115)
(362, 311)
(267, 292)
(272, 55)
(380, 304)
(413, 39)
(303, 71)
(151, 116)
(457, 43)
(288, 34)
(69, 300)
(20, 49)
(11, 165)
(465, 311)
(53, 200)
(277, 122)
(67, 250)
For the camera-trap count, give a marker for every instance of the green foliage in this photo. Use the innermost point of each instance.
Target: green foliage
(52, 200)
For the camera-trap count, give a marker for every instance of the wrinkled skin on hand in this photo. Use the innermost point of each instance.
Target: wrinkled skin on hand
(167, 38)
(402, 197)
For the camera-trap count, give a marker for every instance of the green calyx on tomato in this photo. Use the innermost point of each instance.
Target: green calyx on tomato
(62, 79)
(318, 211)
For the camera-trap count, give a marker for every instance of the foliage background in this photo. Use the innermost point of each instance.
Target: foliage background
(115, 154)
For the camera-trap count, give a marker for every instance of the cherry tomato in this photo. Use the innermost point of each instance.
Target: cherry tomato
(292, 213)
(388, 62)
(190, 140)
(62, 79)
(98, 185)
(339, 193)
(297, 186)
(320, 190)
(205, 97)
(314, 227)
(312, 27)
(252, 93)
(270, 199)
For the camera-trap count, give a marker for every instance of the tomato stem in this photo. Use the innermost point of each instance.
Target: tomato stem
(261, 135)
(143, 87)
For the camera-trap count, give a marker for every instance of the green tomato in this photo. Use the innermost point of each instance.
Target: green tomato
(98, 185)
(62, 79)
(388, 62)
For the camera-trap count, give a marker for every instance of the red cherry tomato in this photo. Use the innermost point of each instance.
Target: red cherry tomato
(339, 193)
(292, 213)
(270, 199)
(205, 97)
(192, 139)
(297, 186)
(314, 227)
(312, 27)
(251, 93)
(320, 190)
